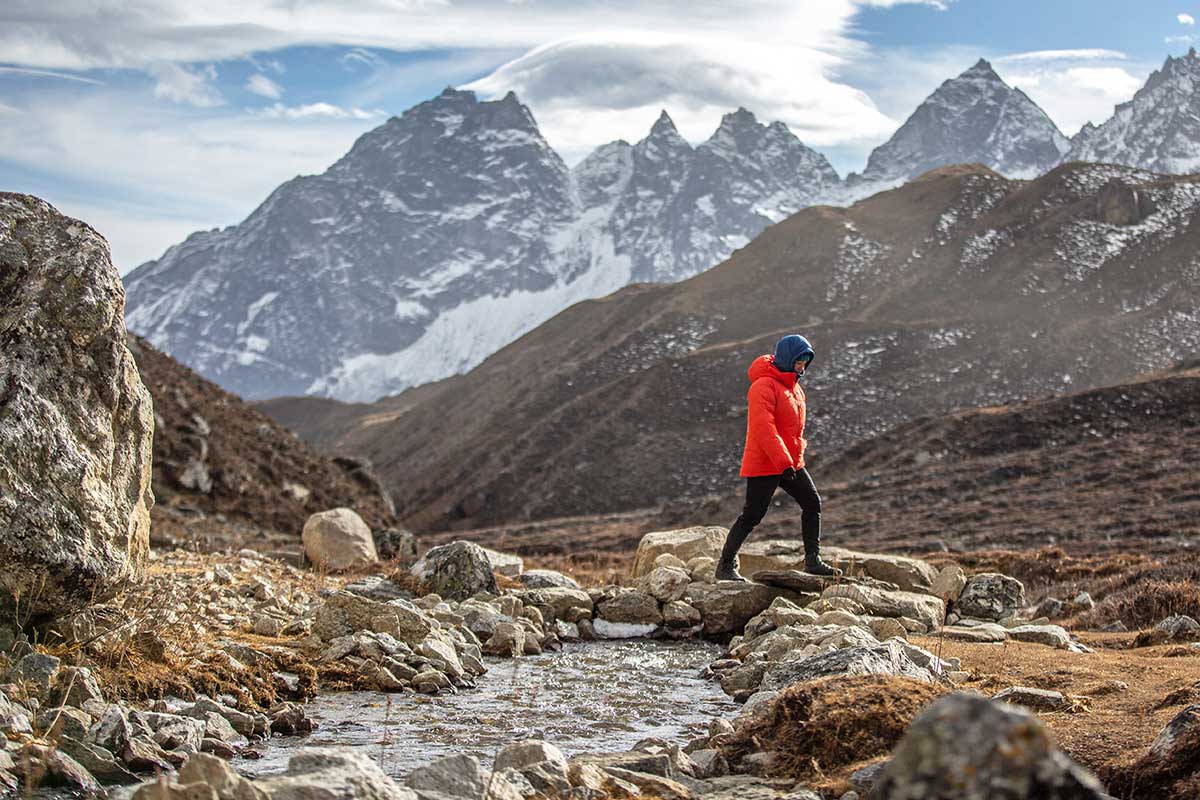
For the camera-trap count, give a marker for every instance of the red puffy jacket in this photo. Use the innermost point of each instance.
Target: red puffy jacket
(775, 421)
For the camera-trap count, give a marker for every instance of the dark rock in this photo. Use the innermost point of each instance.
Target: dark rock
(456, 571)
(1120, 204)
(395, 544)
(41, 765)
(990, 595)
(965, 747)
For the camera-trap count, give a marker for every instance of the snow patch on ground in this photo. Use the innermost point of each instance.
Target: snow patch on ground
(622, 630)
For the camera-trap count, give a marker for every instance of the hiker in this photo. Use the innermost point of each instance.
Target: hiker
(774, 454)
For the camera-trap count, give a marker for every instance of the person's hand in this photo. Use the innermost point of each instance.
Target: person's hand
(789, 474)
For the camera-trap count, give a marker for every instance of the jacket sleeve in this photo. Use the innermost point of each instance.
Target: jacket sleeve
(762, 425)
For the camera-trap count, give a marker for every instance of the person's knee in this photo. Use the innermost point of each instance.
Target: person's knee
(750, 518)
(811, 504)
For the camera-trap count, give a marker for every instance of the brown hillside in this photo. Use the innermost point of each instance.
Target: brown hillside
(216, 457)
(1105, 471)
(960, 289)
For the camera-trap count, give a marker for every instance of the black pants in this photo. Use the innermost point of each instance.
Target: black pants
(759, 492)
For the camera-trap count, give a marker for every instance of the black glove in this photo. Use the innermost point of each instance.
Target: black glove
(789, 474)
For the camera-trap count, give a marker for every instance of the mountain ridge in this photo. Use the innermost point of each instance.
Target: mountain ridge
(960, 289)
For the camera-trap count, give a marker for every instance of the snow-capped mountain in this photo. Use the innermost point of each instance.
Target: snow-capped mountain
(448, 232)
(975, 118)
(1159, 129)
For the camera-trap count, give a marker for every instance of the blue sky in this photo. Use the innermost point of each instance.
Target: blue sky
(155, 122)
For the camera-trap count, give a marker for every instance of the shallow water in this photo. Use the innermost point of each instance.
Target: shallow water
(598, 696)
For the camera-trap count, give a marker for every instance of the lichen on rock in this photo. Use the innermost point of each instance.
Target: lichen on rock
(76, 423)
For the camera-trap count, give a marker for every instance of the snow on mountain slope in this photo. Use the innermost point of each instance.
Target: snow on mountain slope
(1159, 129)
(448, 232)
(973, 118)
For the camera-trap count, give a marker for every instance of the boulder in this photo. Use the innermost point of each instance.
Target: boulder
(520, 755)
(338, 540)
(665, 584)
(990, 595)
(395, 544)
(630, 606)
(76, 423)
(684, 543)
(457, 776)
(1118, 203)
(965, 747)
(1033, 698)
(980, 634)
(949, 583)
(456, 571)
(1179, 627)
(1049, 635)
(727, 606)
(332, 773)
(546, 579)
(42, 765)
(1169, 768)
(344, 614)
(558, 599)
(925, 608)
(678, 614)
(885, 658)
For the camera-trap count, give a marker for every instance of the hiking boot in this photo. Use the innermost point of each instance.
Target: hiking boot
(727, 570)
(813, 565)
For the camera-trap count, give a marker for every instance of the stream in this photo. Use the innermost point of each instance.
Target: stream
(588, 697)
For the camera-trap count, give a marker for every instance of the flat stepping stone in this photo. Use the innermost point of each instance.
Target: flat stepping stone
(1032, 698)
(981, 634)
(792, 579)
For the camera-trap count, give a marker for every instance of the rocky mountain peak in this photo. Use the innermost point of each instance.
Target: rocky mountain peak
(973, 118)
(1158, 129)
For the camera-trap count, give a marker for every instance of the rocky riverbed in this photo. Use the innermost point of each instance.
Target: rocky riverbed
(705, 688)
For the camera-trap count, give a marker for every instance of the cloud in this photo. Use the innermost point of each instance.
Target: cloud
(320, 109)
(45, 73)
(146, 174)
(588, 90)
(263, 86)
(116, 33)
(1186, 19)
(182, 85)
(1041, 56)
(1072, 86)
(360, 56)
(1183, 39)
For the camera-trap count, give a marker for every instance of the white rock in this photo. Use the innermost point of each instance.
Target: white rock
(337, 540)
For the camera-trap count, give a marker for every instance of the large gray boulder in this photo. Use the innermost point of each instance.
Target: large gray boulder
(76, 423)
(965, 747)
(456, 571)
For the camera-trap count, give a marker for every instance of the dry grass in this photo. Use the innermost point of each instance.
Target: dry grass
(1108, 726)
(816, 729)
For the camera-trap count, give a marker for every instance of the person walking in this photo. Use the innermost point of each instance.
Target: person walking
(774, 454)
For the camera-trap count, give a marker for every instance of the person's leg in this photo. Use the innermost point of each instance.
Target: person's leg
(759, 491)
(804, 492)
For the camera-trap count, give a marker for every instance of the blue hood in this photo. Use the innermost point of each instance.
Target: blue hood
(789, 349)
